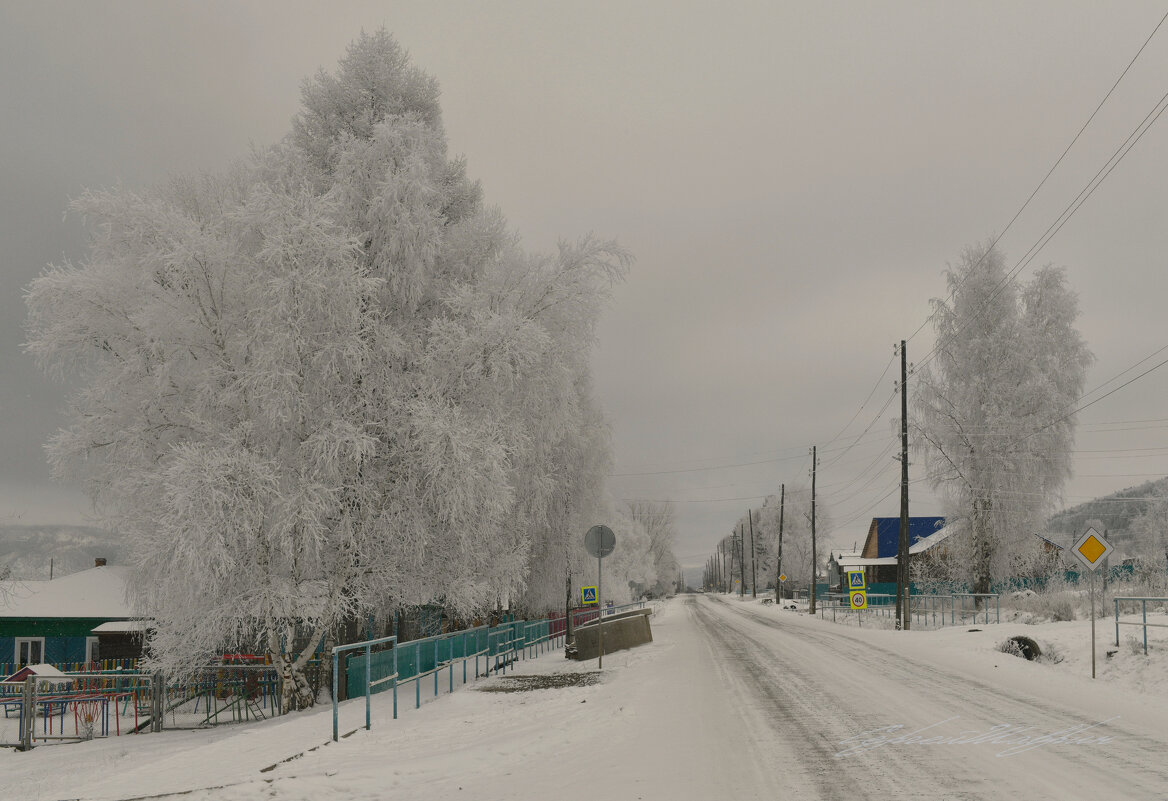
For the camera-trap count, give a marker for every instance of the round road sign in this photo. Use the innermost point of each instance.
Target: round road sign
(599, 541)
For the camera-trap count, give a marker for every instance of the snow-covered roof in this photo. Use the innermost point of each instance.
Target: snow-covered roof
(859, 561)
(925, 543)
(884, 534)
(97, 592)
(847, 560)
(41, 671)
(123, 626)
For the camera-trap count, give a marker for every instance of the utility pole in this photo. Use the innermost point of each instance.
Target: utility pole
(779, 569)
(741, 563)
(733, 554)
(722, 569)
(753, 554)
(903, 585)
(814, 565)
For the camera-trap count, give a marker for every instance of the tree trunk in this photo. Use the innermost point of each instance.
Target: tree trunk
(295, 689)
(983, 548)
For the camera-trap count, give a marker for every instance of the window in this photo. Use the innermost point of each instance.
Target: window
(30, 650)
(91, 650)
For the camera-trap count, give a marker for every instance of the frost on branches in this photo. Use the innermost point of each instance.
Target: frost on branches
(993, 410)
(326, 382)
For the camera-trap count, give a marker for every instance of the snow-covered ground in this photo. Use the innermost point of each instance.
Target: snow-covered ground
(732, 699)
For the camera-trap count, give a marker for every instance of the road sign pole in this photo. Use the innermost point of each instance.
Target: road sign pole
(1092, 624)
(1092, 550)
(600, 610)
(600, 542)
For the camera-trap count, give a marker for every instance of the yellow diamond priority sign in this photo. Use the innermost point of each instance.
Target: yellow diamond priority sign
(1091, 549)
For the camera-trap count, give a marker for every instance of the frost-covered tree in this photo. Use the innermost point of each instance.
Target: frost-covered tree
(558, 559)
(796, 536)
(327, 381)
(1148, 535)
(628, 570)
(993, 408)
(658, 520)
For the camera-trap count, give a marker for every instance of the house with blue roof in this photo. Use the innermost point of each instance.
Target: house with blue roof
(878, 556)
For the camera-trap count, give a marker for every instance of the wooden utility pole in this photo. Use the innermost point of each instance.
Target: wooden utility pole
(753, 554)
(814, 566)
(722, 569)
(730, 565)
(903, 578)
(741, 562)
(779, 568)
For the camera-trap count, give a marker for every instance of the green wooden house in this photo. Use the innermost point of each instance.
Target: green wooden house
(53, 621)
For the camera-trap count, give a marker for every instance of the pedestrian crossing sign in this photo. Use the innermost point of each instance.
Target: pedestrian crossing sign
(587, 595)
(856, 580)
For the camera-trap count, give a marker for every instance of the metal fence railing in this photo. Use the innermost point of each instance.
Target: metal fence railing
(94, 702)
(925, 610)
(1143, 623)
(385, 664)
(493, 649)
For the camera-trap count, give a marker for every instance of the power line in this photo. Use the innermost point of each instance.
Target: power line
(864, 433)
(1054, 166)
(1052, 230)
(775, 459)
(1047, 235)
(872, 392)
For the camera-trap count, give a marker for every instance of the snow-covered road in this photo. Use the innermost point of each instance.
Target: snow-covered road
(731, 700)
(821, 700)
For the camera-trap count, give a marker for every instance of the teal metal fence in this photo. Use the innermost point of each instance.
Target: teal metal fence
(493, 649)
(1144, 617)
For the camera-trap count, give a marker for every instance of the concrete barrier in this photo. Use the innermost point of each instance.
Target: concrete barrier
(626, 630)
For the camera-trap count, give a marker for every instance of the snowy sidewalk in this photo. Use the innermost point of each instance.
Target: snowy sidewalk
(644, 731)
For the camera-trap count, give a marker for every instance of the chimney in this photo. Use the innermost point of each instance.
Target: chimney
(99, 561)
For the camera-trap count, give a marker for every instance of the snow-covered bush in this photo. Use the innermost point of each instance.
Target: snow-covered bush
(1050, 654)
(1011, 647)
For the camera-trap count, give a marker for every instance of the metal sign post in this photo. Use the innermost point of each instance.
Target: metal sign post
(600, 542)
(1092, 549)
(1092, 624)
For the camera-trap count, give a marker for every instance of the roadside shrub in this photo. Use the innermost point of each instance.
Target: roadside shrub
(1061, 609)
(1021, 646)
(1010, 647)
(1135, 644)
(1050, 654)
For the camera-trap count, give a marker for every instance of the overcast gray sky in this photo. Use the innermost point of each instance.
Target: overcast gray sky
(791, 177)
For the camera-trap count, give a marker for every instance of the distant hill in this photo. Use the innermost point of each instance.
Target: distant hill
(1115, 511)
(26, 552)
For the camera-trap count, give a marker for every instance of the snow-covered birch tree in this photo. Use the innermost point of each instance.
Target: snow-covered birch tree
(326, 382)
(658, 520)
(993, 408)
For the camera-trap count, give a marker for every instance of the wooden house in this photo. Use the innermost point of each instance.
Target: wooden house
(53, 621)
(879, 555)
